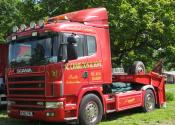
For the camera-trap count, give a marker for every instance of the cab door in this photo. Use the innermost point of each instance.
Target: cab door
(75, 71)
(94, 60)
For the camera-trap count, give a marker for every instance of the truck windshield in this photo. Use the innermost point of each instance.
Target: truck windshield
(33, 52)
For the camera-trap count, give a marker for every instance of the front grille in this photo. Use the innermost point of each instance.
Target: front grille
(28, 108)
(26, 92)
(28, 105)
(26, 78)
(26, 86)
(26, 102)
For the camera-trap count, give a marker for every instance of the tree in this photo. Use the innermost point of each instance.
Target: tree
(139, 27)
(9, 15)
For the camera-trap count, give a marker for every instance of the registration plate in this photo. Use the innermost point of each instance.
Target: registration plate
(26, 113)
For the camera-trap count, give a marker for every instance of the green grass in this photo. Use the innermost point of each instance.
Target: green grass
(163, 116)
(170, 88)
(139, 118)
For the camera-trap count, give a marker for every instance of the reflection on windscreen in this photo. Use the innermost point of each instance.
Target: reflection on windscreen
(35, 52)
(21, 52)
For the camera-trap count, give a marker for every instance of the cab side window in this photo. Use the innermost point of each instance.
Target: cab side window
(80, 41)
(91, 45)
(80, 45)
(86, 44)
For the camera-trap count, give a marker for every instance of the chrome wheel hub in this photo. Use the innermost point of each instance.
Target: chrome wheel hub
(91, 111)
(149, 102)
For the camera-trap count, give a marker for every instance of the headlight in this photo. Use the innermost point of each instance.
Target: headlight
(54, 104)
(9, 103)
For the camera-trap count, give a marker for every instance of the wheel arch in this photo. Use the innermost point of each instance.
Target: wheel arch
(91, 90)
(95, 93)
(146, 87)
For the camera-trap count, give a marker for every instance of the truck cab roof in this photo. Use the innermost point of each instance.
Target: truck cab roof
(84, 21)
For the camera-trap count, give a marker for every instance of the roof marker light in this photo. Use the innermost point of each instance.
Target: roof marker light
(23, 27)
(15, 29)
(34, 33)
(32, 25)
(58, 18)
(41, 23)
(13, 37)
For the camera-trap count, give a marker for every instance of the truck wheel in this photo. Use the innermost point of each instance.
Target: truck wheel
(91, 110)
(138, 68)
(149, 101)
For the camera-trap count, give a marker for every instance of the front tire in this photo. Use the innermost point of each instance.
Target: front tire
(91, 110)
(149, 101)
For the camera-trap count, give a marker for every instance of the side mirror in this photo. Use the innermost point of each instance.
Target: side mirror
(72, 48)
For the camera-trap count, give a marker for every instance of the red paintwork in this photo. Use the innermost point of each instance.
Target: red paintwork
(152, 78)
(38, 115)
(128, 100)
(3, 58)
(65, 83)
(3, 66)
(97, 17)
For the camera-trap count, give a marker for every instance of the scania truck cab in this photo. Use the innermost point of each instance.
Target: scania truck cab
(60, 70)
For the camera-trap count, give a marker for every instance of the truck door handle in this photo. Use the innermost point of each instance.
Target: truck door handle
(85, 75)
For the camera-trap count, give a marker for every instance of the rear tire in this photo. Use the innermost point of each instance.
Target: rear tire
(91, 110)
(149, 101)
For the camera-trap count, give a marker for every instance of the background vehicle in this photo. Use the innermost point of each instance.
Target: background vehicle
(60, 70)
(3, 64)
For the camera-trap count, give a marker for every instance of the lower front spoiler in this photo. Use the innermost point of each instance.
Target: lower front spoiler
(40, 115)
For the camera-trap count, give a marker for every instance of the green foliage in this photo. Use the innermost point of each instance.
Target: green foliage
(169, 54)
(8, 17)
(139, 28)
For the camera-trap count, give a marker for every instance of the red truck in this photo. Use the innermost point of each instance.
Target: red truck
(3, 64)
(60, 70)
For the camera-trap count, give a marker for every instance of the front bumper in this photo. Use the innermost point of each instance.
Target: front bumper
(39, 115)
